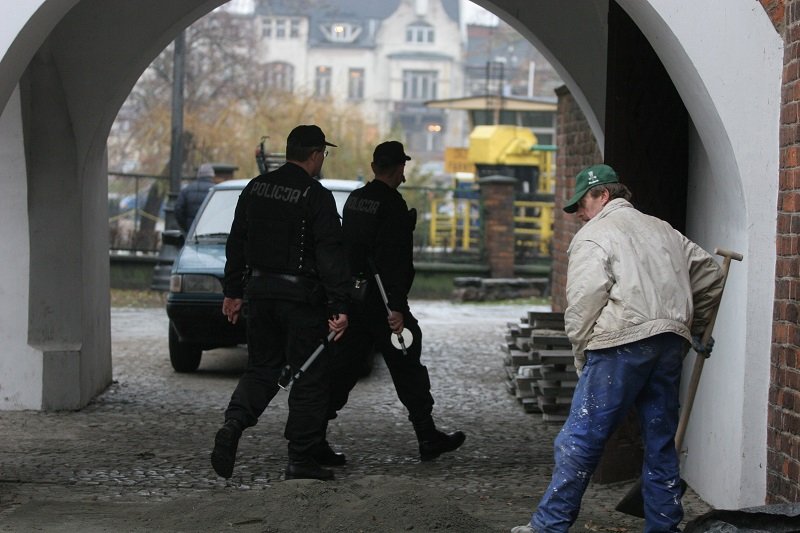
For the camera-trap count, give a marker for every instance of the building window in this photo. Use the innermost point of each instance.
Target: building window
(419, 84)
(419, 33)
(280, 76)
(355, 84)
(340, 32)
(322, 82)
(280, 28)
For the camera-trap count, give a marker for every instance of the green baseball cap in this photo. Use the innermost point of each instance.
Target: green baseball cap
(588, 178)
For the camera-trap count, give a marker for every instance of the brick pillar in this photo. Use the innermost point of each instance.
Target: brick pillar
(577, 149)
(497, 200)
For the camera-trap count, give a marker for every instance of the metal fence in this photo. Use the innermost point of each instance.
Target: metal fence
(136, 210)
(448, 223)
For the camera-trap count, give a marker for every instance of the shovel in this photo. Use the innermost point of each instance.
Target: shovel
(633, 503)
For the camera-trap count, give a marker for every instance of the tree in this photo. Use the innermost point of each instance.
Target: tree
(228, 108)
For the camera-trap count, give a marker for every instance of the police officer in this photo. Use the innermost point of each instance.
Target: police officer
(285, 256)
(378, 231)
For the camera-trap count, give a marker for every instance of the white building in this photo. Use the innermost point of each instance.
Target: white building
(386, 56)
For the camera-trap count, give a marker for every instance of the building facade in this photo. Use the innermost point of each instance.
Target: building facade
(385, 58)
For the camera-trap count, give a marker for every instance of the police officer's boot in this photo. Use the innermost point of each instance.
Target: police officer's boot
(306, 468)
(432, 442)
(323, 454)
(225, 443)
(326, 456)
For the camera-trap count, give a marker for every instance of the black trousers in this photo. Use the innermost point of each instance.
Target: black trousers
(368, 333)
(281, 332)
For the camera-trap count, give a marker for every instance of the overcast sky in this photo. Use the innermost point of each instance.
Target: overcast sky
(474, 14)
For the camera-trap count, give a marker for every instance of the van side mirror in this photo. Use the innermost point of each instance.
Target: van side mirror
(174, 237)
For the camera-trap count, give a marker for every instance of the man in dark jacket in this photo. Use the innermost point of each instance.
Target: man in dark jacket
(285, 256)
(378, 231)
(191, 197)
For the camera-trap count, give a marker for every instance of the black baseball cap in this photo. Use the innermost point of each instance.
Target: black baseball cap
(389, 153)
(307, 137)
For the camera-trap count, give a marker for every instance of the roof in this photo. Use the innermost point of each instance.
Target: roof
(366, 14)
(341, 9)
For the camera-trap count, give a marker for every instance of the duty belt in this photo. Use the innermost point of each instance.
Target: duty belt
(296, 280)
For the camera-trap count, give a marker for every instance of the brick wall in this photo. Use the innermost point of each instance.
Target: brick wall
(577, 149)
(776, 9)
(783, 431)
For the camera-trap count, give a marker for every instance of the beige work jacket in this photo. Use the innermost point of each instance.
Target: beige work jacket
(632, 276)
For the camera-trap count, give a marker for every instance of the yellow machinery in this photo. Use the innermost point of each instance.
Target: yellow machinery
(504, 150)
(513, 151)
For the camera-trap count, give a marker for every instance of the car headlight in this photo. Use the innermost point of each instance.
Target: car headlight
(194, 283)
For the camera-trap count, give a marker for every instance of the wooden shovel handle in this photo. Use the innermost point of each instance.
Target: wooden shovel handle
(700, 360)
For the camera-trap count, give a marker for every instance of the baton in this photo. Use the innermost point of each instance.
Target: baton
(400, 338)
(286, 378)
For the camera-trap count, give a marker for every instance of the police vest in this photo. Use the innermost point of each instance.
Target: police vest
(278, 229)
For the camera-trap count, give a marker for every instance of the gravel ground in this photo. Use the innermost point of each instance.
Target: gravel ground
(136, 458)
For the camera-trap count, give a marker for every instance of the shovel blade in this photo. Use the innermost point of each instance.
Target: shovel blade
(633, 502)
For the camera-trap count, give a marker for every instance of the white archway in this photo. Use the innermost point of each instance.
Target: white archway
(67, 65)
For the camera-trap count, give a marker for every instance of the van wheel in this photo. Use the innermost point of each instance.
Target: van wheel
(184, 356)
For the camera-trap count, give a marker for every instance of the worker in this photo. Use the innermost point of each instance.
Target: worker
(378, 231)
(638, 295)
(286, 257)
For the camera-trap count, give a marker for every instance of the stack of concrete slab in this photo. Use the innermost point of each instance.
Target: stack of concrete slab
(539, 364)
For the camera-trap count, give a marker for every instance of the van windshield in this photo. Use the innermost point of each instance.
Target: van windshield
(217, 214)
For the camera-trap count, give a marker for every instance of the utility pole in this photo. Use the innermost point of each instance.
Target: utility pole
(176, 148)
(169, 251)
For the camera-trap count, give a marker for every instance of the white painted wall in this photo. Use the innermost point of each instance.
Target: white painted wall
(727, 66)
(22, 30)
(20, 365)
(60, 353)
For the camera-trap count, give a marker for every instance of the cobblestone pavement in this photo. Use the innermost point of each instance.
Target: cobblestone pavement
(144, 443)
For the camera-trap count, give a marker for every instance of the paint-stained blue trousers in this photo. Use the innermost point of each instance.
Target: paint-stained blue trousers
(643, 374)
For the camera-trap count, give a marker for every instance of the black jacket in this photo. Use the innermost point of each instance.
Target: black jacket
(378, 225)
(286, 225)
(189, 201)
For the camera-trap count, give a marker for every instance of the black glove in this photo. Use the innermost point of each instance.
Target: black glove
(701, 349)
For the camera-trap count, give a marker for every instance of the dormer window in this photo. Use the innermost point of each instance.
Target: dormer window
(340, 32)
(280, 28)
(419, 33)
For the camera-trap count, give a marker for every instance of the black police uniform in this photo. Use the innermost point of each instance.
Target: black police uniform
(378, 228)
(285, 257)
